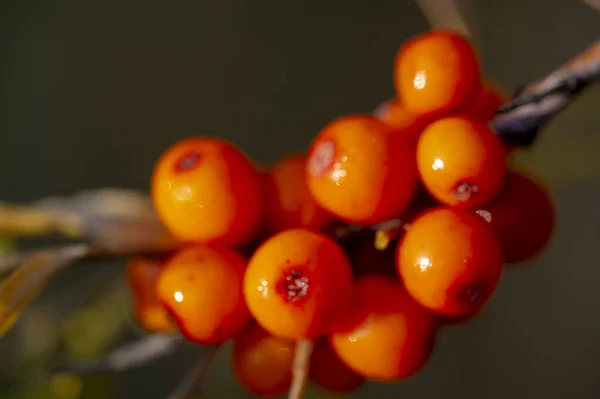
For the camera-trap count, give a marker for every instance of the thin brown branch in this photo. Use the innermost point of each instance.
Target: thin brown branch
(595, 4)
(193, 383)
(444, 14)
(519, 121)
(131, 355)
(110, 218)
(300, 369)
(20, 220)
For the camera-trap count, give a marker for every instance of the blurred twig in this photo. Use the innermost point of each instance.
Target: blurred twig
(23, 285)
(193, 383)
(300, 368)
(519, 121)
(444, 14)
(595, 4)
(131, 355)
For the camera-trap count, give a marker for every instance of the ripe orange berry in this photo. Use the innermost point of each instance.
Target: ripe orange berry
(202, 288)
(142, 274)
(296, 283)
(360, 172)
(206, 190)
(387, 336)
(522, 216)
(450, 261)
(261, 362)
(436, 72)
(485, 103)
(461, 161)
(329, 372)
(400, 120)
(288, 202)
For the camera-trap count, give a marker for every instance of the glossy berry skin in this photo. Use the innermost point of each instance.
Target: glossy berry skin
(436, 73)
(400, 119)
(387, 336)
(297, 283)
(522, 216)
(261, 362)
(450, 261)
(329, 372)
(288, 202)
(202, 288)
(484, 104)
(142, 274)
(205, 190)
(361, 172)
(461, 161)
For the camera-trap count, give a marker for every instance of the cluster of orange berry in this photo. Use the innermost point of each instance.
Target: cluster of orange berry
(263, 265)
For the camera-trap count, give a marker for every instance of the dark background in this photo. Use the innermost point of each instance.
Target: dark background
(91, 92)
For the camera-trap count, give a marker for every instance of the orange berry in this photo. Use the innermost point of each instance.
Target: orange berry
(450, 261)
(436, 72)
(329, 372)
(206, 190)
(202, 288)
(142, 274)
(296, 283)
(261, 362)
(522, 216)
(461, 161)
(400, 120)
(360, 172)
(288, 202)
(387, 336)
(489, 99)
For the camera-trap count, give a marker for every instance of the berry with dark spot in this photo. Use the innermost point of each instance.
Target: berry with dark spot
(297, 283)
(205, 190)
(461, 161)
(360, 171)
(450, 261)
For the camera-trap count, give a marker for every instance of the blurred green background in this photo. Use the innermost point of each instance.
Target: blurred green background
(91, 92)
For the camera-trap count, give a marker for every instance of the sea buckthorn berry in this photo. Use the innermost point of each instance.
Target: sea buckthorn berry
(400, 120)
(288, 202)
(296, 283)
(522, 216)
(360, 172)
(206, 190)
(202, 288)
(387, 336)
(436, 72)
(450, 261)
(485, 103)
(261, 362)
(461, 161)
(329, 372)
(142, 274)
